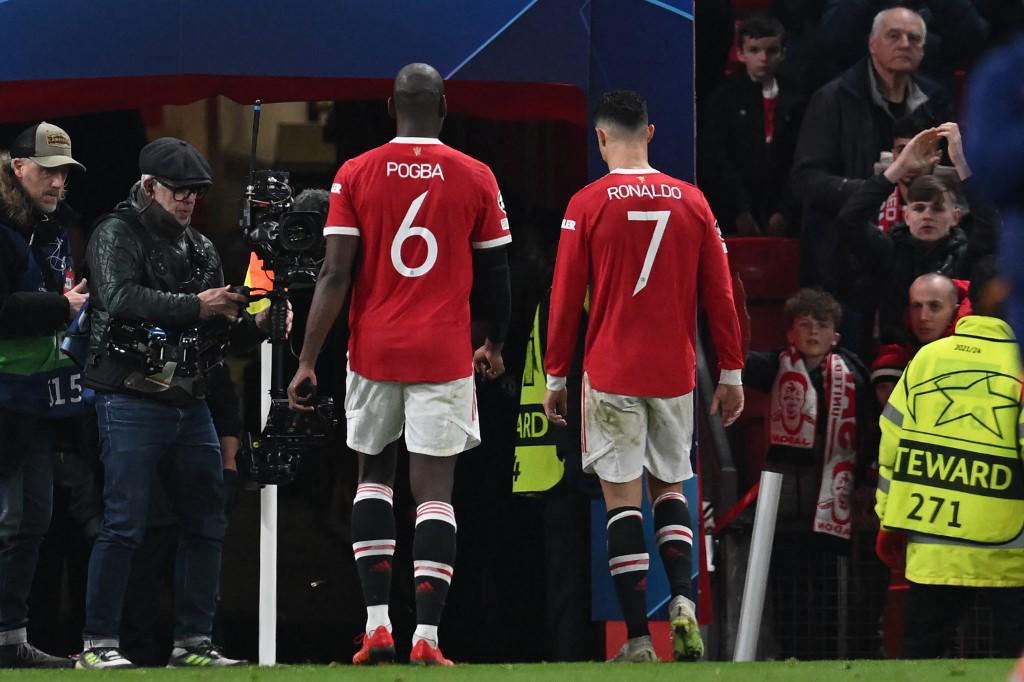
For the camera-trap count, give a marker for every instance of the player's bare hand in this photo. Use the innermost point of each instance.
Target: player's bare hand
(298, 394)
(555, 405)
(220, 301)
(263, 320)
(77, 298)
(487, 360)
(728, 400)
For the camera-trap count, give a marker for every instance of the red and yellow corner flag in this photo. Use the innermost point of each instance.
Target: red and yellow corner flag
(258, 278)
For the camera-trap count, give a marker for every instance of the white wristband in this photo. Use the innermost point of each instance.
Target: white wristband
(731, 377)
(556, 383)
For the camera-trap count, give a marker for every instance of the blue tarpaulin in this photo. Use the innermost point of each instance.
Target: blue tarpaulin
(63, 57)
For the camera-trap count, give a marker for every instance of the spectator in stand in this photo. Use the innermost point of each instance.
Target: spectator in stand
(749, 139)
(811, 381)
(854, 280)
(813, 371)
(957, 32)
(933, 236)
(804, 68)
(849, 122)
(936, 304)
(903, 131)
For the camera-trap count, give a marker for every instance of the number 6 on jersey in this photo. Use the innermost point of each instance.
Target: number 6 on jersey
(405, 231)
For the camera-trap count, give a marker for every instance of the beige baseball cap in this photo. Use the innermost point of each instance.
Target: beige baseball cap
(46, 144)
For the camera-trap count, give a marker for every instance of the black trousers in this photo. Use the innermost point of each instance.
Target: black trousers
(935, 611)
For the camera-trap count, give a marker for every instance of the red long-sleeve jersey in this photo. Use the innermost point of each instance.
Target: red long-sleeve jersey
(644, 243)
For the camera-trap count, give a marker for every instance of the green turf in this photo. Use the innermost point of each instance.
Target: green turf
(783, 671)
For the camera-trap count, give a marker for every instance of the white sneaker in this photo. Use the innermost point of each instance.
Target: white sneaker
(103, 658)
(686, 642)
(636, 650)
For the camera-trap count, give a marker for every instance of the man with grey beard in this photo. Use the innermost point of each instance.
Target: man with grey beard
(38, 298)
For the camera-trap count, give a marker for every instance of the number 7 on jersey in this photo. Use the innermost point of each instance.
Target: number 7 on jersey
(660, 220)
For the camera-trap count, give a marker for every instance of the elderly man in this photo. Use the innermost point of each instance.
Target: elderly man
(159, 304)
(38, 297)
(849, 122)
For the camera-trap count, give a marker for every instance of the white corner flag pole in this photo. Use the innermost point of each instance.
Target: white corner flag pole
(757, 566)
(268, 535)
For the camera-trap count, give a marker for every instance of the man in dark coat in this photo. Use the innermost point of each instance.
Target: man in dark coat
(38, 298)
(849, 122)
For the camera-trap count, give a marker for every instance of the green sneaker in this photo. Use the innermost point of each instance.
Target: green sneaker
(103, 658)
(201, 655)
(686, 642)
(636, 650)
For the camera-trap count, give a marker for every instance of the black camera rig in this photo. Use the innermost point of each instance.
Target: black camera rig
(150, 350)
(274, 455)
(290, 244)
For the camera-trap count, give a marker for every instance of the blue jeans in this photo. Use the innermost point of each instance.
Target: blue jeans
(26, 500)
(135, 434)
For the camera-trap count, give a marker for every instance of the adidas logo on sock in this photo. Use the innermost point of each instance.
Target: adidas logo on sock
(381, 566)
(425, 586)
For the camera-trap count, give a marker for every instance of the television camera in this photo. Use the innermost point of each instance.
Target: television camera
(291, 246)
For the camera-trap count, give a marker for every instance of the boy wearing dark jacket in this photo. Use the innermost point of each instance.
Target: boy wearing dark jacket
(749, 135)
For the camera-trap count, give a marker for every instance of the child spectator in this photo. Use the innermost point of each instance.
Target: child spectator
(750, 130)
(935, 235)
(875, 252)
(818, 413)
(820, 433)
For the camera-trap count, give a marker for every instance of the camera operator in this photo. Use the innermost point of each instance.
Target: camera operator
(38, 298)
(150, 267)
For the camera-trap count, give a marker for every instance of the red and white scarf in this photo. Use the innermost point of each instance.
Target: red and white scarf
(891, 212)
(793, 423)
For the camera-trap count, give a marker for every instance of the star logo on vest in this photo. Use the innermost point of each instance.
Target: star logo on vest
(974, 396)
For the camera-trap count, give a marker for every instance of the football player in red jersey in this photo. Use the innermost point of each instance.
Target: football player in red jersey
(642, 242)
(420, 224)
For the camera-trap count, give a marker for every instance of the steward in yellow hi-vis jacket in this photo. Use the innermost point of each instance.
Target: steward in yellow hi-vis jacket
(537, 465)
(951, 478)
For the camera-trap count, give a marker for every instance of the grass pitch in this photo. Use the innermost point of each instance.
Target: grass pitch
(988, 670)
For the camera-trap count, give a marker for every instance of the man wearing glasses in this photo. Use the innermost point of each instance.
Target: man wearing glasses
(157, 282)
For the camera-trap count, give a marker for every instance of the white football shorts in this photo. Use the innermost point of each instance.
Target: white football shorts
(439, 419)
(623, 434)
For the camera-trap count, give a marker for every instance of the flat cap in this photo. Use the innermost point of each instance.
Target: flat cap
(175, 162)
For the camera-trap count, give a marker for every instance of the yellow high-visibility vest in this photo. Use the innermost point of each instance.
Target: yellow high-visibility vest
(537, 467)
(950, 467)
(258, 278)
